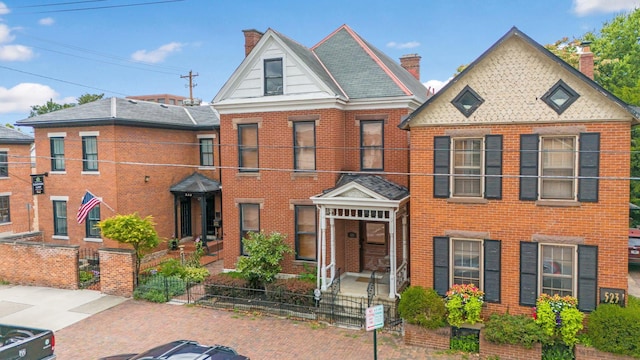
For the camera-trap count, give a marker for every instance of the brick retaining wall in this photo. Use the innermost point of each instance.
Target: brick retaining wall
(117, 268)
(439, 339)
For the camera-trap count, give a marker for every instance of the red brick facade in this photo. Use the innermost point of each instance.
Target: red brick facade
(17, 186)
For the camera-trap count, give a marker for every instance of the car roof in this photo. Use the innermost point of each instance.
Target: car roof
(189, 350)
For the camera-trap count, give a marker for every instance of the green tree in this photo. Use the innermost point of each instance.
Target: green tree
(133, 230)
(265, 256)
(87, 98)
(51, 106)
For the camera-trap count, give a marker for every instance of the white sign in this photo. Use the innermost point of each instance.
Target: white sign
(375, 317)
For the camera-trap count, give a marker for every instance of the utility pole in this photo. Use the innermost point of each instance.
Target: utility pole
(191, 84)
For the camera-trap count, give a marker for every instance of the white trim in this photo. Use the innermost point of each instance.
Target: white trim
(4, 149)
(60, 237)
(574, 266)
(93, 240)
(480, 259)
(57, 134)
(5, 193)
(90, 173)
(452, 165)
(64, 172)
(89, 133)
(206, 136)
(58, 198)
(206, 167)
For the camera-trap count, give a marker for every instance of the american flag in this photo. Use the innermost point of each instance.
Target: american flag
(88, 202)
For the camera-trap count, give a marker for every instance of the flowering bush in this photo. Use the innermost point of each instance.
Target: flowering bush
(464, 304)
(559, 318)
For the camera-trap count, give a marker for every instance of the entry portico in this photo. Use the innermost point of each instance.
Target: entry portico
(367, 200)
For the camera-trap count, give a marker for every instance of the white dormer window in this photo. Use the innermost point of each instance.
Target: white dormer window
(273, 76)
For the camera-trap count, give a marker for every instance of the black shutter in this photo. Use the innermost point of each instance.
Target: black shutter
(492, 251)
(587, 277)
(441, 264)
(589, 160)
(493, 167)
(529, 167)
(441, 155)
(528, 273)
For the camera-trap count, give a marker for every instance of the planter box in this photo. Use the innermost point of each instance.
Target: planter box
(508, 351)
(588, 353)
(438, 339)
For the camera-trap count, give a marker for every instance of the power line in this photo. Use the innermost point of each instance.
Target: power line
(56, 4)
(102, 7)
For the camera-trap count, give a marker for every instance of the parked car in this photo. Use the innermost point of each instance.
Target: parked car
(634, 246)
(19, 342)
(183, 350)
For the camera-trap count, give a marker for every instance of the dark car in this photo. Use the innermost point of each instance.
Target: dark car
(183, 350)
(634, 246)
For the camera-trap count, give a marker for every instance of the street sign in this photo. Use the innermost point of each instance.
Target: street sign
(37, 184)
(374, 316)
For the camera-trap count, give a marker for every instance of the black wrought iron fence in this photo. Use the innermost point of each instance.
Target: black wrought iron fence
(88, 269)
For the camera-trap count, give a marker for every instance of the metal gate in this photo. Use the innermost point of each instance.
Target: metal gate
(88, 269)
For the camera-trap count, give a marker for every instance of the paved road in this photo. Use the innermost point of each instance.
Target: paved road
(135, 326)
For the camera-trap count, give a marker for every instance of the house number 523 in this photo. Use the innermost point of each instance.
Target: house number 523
(612, 296)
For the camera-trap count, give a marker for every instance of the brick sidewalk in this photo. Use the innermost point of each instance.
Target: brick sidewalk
(136, 326)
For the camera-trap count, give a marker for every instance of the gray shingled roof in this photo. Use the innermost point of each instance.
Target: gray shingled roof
(195, 183)
(378, 184)
(360, 75)
(129, 112)
(12, 136)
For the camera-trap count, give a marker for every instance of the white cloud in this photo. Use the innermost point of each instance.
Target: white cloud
(588, 7)
(435, 85)
(407, 45)
(157, 55)
(46, 21)
(4, 9)
(5, 34)
(15, 53)
(21, 97)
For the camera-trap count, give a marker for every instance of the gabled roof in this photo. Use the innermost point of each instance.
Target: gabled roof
(12, 136)
(515, 32)
(195, 183)
(118, 111)
(375, 183)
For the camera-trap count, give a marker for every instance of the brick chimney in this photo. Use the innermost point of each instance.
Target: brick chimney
(586, 60)
(411, 63)
(251, 38)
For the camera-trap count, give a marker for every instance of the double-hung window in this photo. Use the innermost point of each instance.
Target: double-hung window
(60, 218)
(305, 219)
(558, 167)
(372, 145)
(273, 79)
(248, 147)
(467, 167)
(557, 265)
(5, 209)
(89, 153)
(304, 145)
(467, 260)
(4, 164)
(206, 152)
(57, 153)
(93, 218)
(249, 222)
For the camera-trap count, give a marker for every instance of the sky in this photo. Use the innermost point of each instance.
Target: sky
(62, 49)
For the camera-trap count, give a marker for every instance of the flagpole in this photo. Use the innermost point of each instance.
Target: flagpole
(101, 201)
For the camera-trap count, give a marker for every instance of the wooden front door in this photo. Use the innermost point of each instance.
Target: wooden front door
(374, 246)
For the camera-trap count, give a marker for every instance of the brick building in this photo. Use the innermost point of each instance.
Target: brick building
(312, 150)
(169, 99)
(527, 190)
(136, 156)
(16, 202)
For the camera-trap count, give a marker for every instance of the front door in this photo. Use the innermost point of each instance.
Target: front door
(374, 246)
(185, 217)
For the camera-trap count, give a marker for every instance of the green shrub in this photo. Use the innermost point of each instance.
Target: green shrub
(513, 329)
(227, 285)
(424, 307)
(465, 343)
(171, 267)
(309, 274)
(291, 291)
(194, 274)
(160, 288)
(614, 329)
(634, 303)
(85, 276)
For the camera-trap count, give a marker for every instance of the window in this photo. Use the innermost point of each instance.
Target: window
(371, 145)
(59, 217)
(305, 232)
(559, 167)
(273, 77)
(557, 270)
(467, 167)
(248, 147)
(162, 100)
(89, 153)
(92, 231)
(560, 97)
(249, 222)
(375, 233)
(206, 152)
(466, 262)
(4, 164)
(304, 145)
(57, 153)
(467, 101)
(5, 213)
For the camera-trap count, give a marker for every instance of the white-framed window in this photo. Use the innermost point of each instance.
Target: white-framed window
(557, 269)
(248, 147)
(466, 260)
(372, 144)
(558, 167)
(306, 230)
(304, 145)
(467, 167)
(206, 152)
(273, 77)
(4, 164)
